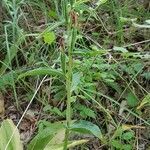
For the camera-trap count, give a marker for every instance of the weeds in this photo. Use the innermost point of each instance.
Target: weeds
(75, 72)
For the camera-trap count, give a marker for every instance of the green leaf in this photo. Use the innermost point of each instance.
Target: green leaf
(6, 79)
(132, 101)
(85, 111)
(127, 147)
(40, 141)
(128, 135)
(63, 62)
(86, 127)
(120, 49)
(146, 75)
(75, 81)
(70, 145)
(13, 52)
(49, 37)
(52, 138)
(6, 131)
(41, 71)
(117, 144)
(55, 110)
(53, 14)
(145, 101)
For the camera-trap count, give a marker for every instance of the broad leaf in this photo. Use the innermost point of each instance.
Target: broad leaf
(40, 141)
(49, 37)
(52, 138)
(86, 127)
(132, 101)
(6, 131)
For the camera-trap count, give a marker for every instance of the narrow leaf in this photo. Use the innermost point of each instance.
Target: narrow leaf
(71, 144)
(145, 101)
(41, 71)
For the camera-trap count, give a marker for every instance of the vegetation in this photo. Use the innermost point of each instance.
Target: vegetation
(74, 74)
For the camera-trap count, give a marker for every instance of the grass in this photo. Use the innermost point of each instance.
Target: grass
(77, 61)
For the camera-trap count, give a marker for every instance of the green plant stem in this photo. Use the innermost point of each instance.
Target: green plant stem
(69, 93)
(71, 28)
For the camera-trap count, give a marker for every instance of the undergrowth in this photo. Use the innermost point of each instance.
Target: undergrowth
(74, 74)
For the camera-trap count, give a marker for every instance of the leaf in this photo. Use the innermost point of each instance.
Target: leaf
(2, 108)
(49, 37)
(117, 144)
(63, 62)
(52, 138)
(41, 71)
(85, 111)
(100, 2)
(55, 110)
(124, 20)
(132, 101)
(146, 75)
(75, 81)
(70, 145)
(128, 127)
(57, 139)
(40, 141)
(6, 131)
(127, 147)
(145, 101)
(13, 52)
(128, 136)
(120, 49)
(86, 127)
(53, 14)
(145, 26)
(147, 21)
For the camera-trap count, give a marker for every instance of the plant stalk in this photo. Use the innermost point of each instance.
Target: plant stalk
(71, 27)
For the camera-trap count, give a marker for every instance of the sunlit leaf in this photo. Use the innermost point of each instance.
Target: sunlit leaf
(145, 101)
(49, 37)
(41, 140)
(6, 131)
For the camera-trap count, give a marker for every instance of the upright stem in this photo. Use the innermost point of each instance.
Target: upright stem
(69, 93)
(71, 27)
